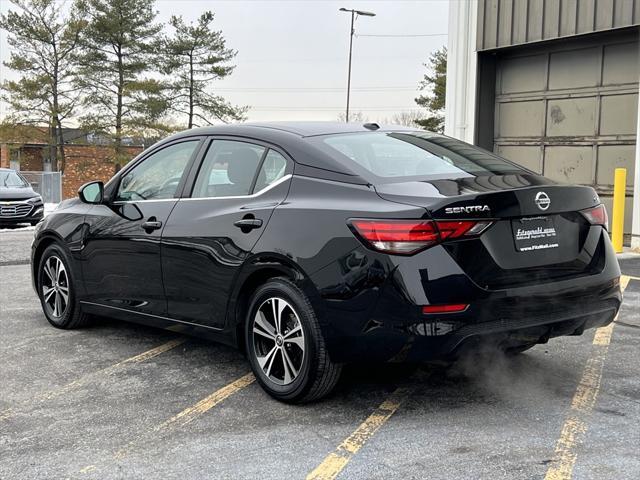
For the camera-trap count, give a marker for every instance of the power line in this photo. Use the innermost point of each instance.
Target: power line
(403, 35)
(315, 89)
(280, 108)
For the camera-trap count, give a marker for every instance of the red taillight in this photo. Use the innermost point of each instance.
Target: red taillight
(451, 308)
(409, 236)
(596, 215)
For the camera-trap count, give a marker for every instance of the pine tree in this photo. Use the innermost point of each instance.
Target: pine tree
(119, 51)
(43, 42)
(195, 56)
(434, 84)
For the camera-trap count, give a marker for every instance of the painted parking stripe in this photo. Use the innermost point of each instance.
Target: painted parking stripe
(105, 372)
(189, 414)
(335, 462)
(181, 419)
(576, 424)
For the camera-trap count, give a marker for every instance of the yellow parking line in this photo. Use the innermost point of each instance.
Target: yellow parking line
(142, 357)
(584, 399)
(191, 413)
(183, 418)
(335, 462)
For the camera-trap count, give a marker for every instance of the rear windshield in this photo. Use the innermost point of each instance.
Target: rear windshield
(398, 156)
(10, 178)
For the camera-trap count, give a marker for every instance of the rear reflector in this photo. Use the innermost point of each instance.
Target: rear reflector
(596, 215)
(451, 308)
(405, 237)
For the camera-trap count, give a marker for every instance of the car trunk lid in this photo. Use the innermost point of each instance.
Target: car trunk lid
(538, 233)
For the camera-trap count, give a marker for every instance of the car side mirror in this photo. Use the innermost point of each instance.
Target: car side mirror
(92, 192)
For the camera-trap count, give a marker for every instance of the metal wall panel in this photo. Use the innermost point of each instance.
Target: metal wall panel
(568, 164)
(621, 64)
(528, 157)
(535, 19)
(520, 118)
(604, 14)
(571, 117)
(586, 16)
(505, 16)
(519, 21)
(615, 156)
(524, 74)
(514, 22)
(568, 17)
(574, 68)
(616, 115)
(568, 108)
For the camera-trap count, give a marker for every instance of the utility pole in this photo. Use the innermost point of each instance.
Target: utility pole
(354, 14)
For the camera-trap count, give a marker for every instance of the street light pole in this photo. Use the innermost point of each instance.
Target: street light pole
(351, 32)
(353, 15)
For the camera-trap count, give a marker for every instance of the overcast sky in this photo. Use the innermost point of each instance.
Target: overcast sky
(292, 55)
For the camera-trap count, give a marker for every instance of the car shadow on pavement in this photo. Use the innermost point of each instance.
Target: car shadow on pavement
(480, 376)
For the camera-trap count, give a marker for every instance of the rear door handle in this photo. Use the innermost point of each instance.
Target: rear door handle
(248, 223)
(151, 225)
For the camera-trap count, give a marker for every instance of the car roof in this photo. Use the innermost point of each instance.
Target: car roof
(301, 129)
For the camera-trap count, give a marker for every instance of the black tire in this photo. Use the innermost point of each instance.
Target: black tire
(70, 314)
(518, 349)
(317, 375)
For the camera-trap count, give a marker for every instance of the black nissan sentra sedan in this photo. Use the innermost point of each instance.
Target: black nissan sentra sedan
(312, 245)
(19, 203)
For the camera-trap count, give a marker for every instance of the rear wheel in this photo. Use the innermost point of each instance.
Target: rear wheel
(56, 290)
(285, 345)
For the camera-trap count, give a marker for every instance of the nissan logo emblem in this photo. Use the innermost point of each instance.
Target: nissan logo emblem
(542, 200)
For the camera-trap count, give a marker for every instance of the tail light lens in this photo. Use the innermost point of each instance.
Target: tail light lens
(596, 215)
(405, 237)
(448, 308)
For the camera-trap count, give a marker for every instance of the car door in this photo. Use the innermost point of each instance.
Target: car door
(121, 256)
(210, 234)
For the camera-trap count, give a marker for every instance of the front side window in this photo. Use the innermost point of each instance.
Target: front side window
(159, 175)
(228, 169)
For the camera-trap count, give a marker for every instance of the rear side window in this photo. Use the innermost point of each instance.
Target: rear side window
(405, 155)
(228, 169)
(273, 169)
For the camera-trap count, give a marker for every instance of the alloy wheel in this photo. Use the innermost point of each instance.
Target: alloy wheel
(55, 287)
(278, 341)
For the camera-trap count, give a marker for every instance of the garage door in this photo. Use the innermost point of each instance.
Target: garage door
(569, 110)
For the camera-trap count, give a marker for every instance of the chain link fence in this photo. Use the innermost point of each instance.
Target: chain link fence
(47, 184)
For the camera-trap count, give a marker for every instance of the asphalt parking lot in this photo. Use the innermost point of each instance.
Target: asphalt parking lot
(117, 401)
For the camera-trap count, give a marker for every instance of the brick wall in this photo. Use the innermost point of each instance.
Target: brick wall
(4, 155)
(31, 159)
(85, 163)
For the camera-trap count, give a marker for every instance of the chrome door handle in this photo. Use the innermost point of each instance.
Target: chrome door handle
(151, 225)
(248, 223)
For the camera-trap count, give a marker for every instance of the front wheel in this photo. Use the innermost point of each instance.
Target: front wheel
(285, 346)
(56, 290)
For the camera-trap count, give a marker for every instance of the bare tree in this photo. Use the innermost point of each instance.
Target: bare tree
(44, 41)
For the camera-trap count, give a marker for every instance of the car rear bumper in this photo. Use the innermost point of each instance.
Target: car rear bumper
(393, 327)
